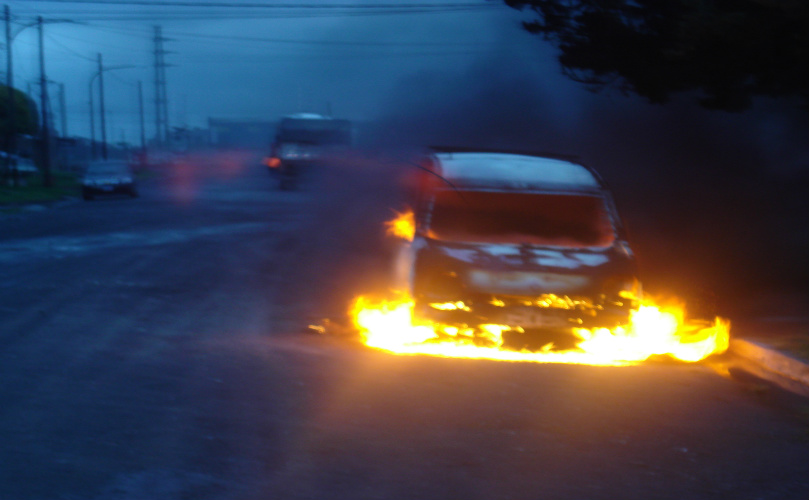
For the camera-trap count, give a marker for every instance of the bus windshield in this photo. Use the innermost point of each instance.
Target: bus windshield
(315, 131)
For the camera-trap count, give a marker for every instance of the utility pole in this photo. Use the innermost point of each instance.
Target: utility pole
(92, 124)
(142, 123)
(63, 109)
(12, 126)
(46, 135)
(158, 84)
(100, 75)
(101, 108)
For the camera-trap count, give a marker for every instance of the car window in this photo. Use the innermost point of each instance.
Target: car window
(327, 132)
(108, 169)
(502, 217)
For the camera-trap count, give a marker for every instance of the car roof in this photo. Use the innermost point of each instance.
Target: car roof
(307, 116)
(515, 172)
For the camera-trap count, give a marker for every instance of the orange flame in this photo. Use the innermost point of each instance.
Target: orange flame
(403, 225)
(652, 330)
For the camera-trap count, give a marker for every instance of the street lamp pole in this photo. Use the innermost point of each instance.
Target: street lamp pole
(12, 126)
(92, 121)
(100, 75)
(62, 107)
(12, 112)
(101, 108)
(46, 135)
(12, 118)
(140, 107)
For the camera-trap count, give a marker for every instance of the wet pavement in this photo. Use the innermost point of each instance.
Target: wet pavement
(153, 348)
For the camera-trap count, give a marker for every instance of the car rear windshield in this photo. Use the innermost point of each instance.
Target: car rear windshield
(567, 220)
(108, 169)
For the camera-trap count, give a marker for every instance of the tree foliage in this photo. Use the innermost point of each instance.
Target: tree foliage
(26, 119)
(726, 50)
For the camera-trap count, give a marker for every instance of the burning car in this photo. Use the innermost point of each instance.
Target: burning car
(531, 242)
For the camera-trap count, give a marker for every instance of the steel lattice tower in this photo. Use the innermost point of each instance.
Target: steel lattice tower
(161, 99)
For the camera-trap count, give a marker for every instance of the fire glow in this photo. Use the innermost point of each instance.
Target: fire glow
(402, 226)
(652, 331)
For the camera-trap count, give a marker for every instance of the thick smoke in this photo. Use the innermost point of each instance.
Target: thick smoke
(714, 201)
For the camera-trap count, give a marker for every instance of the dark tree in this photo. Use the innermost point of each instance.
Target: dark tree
(26, 119)
(726, 50)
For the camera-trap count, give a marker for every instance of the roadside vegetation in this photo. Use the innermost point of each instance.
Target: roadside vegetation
(32, 190)
(796, 344)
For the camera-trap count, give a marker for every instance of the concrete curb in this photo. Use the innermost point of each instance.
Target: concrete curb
(771, 360)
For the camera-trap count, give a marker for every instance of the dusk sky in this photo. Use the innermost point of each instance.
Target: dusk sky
(453, 71)
(261, 63)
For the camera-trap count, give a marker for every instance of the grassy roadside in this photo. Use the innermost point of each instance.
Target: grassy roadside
(796, 345)
(790, 337)
(64, 184)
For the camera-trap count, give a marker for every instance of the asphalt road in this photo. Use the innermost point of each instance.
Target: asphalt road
(153, 348)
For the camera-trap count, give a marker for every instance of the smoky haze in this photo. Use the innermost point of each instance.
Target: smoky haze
(713, 200)
(706, 194)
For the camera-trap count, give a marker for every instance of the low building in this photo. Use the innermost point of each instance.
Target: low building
(232, 133)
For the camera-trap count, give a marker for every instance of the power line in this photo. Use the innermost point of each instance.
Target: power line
(320, 58)
(246, 14)
(288, 41)
(292, 42)
(321, 42)
(123, 80)
(94, 43)
(68, 49)
(179, 9)
(260, 5)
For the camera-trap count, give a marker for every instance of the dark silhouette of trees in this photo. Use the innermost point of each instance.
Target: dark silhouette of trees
(727, 51)
(26, 120)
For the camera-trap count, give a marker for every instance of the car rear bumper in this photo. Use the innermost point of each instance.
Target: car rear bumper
(108, 189)
(547, 311)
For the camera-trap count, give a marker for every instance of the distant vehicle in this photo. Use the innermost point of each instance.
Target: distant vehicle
(303, 140)
(16, 166)
(25, 166)
(108, 177)
(530, 242)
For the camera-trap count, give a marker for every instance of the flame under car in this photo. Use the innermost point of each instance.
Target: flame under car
(531, 242)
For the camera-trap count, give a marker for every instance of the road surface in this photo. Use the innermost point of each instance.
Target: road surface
(154, 348)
